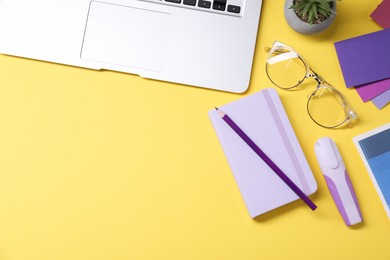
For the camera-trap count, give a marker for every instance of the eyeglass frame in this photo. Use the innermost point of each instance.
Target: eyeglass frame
(349, 113)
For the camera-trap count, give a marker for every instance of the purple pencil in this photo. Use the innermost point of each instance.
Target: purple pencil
(266, 159)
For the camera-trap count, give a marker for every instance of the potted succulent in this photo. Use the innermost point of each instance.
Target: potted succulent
(309, 16)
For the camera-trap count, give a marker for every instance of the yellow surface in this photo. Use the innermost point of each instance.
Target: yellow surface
(105, 165)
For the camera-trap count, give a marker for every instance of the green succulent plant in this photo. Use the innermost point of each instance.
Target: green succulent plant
(313, 11)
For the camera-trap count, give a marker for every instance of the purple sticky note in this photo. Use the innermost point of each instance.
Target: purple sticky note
(381, 14)
(365, 59)
(381, 100)
(371, 90)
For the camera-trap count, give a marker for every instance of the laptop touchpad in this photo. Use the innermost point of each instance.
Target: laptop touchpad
(126, 36)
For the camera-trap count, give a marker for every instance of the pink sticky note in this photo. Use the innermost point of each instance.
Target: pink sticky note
(381, 14)
(371, 90)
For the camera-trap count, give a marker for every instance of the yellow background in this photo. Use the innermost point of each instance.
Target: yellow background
(105, 165)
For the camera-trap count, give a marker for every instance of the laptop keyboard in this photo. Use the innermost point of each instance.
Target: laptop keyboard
(227, 7)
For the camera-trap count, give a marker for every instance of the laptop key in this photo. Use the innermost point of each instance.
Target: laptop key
(174, 1)
(234, 9)
(219, 5)
(204, 4)
(189, 2)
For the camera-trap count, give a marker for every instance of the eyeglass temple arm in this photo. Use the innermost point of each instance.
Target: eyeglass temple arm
(278, 51)
(268, 49)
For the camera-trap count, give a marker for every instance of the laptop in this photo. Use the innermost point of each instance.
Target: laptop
(204, 43)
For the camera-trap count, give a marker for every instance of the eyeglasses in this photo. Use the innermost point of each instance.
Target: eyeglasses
(326, 106)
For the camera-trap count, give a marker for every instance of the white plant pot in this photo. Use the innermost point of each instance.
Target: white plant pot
(302, 27)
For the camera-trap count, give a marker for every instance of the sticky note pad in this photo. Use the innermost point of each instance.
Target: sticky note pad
(365, 59)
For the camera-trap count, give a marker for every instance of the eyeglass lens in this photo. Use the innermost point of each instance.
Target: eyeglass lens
(285, 68)
(327, 107)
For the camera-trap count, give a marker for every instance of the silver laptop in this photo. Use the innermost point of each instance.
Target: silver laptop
(205, 43)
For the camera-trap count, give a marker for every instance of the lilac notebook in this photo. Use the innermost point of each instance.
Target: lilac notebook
(262, 117)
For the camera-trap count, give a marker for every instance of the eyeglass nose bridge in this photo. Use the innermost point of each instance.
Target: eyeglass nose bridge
(312, 74)
(315, 77)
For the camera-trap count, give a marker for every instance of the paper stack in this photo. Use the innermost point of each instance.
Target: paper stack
(365, 60)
